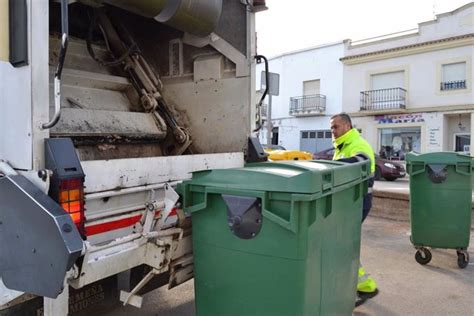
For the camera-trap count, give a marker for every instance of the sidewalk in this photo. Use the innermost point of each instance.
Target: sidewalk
(392, 200)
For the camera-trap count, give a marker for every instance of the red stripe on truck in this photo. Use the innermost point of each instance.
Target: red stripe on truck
(121, 223)
(105, 227)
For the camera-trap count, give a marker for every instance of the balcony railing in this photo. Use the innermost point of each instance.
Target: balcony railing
(383, 99)
(308, 105)
(453, 85)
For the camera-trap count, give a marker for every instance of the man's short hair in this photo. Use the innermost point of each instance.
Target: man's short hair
(343, 116)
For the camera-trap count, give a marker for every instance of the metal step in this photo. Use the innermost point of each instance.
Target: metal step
(95, 103)
(89, 90)
(103, 124)
(77, 56)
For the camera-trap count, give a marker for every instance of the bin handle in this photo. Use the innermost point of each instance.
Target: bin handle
(411, 168)
(290, 225)
(463, 165)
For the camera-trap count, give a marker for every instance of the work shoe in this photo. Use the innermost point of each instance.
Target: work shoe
(363, 297)
(366, 286)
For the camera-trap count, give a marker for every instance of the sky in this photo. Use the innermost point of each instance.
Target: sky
(292, 25)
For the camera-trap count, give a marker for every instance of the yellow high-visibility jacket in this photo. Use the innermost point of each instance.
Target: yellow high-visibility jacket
(352, 144)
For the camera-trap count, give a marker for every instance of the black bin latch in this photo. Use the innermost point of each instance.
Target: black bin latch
(437, 173)
(244, 215)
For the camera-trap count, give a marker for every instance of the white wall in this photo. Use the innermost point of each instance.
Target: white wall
(295, 68)
(423, 71)
(423, 75)
(289, 129)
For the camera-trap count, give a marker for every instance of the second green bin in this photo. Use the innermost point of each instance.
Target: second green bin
(440, 203)
(277, 238)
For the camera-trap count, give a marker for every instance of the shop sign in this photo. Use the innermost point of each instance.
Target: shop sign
(399, 118)
(434, 137)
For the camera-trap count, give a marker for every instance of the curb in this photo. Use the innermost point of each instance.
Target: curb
(396, 206)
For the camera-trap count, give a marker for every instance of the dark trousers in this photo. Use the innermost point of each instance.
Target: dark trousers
(367, 206)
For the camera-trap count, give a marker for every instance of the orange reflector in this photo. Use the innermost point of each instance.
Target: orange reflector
(65, 206)
(71, 198)
(76, 217)
(74, 207)
(74, 195)
(64, 196)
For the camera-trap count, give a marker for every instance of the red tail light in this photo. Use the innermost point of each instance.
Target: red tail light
(71, 199)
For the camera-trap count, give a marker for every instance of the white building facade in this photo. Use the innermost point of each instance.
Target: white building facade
(414, 92)
(310, 91)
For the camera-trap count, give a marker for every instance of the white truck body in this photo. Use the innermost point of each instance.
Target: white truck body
(209, 80)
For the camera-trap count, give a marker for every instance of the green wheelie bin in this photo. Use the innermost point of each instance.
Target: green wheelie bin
(276, 238)
(440, 203)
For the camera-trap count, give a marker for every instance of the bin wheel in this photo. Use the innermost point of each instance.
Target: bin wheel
(463, 259)
(423, 256)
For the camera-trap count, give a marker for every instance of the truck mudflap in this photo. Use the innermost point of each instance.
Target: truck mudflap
(39, 242)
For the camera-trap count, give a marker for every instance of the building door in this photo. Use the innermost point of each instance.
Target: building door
(315, 141)
(323, 140)
(308, 141)
(275, 136)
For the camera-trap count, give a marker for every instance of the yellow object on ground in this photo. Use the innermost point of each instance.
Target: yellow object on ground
(289, 155)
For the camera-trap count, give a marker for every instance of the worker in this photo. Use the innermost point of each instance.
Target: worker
(349, 146)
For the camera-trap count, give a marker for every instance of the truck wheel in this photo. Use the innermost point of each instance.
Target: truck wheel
(423, 256)
(463, 259)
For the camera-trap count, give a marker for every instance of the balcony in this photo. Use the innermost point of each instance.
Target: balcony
(383, 99)
(453, 85)
(308, 105)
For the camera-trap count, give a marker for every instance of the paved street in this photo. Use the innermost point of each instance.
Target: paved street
(406, 288)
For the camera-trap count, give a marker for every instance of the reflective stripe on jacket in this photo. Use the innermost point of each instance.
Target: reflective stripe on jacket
(352, 144)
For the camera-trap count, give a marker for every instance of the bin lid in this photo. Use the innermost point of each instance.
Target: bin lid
(442, 157)
(286, 176)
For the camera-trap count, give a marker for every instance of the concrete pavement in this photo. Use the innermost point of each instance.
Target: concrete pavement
(406, 288)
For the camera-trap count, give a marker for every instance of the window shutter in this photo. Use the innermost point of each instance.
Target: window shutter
(388, 80)
(454, 72)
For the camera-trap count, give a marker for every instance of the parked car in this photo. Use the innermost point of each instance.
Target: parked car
(384, 168)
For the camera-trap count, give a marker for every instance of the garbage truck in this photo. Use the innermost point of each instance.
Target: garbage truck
(106, 105)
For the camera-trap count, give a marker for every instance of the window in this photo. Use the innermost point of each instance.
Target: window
(387, 92)
(312, 134)
(388, 80)
(462, 142)
(304, 134)
(311, 87)
(395, 143)
(453, 76)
